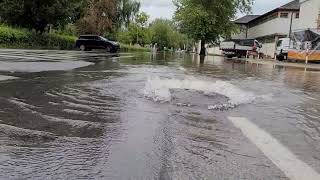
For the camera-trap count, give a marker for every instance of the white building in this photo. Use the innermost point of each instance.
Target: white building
(271, 26)
(277, 23)
(309, 14)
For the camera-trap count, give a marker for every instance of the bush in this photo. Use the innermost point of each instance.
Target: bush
(51, 41)
(124, 37)
(69, 30)
(21, 38)
(10, 35)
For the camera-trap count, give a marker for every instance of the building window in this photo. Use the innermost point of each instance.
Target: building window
(273, 16)
(297, 15)
(263, 20)
(279, 43)
(284, 15)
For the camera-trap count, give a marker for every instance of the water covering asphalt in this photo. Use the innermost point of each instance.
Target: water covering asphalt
(91, 115)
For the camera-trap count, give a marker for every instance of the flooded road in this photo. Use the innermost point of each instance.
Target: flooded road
(90, 115)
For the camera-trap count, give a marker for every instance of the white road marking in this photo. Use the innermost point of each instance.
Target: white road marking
(4, 78)
(281, 156)
(17, 53)
(38, 56)
(44, 57)
(20, 57)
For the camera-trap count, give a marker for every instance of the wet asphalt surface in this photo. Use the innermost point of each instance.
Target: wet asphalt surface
(149, 116)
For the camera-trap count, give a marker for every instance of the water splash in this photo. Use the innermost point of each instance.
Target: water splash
(158, 90)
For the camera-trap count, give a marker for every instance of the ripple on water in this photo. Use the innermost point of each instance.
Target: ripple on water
(32, 109)
(25, 134)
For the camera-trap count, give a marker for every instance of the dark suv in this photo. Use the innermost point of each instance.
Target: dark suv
(89, 42)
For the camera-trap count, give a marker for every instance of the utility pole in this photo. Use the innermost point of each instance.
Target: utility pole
(318, 21)
(290, 30)
(291, 22)
(247, 29)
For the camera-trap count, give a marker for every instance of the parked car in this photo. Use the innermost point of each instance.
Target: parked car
(89, 42)
(239, 47)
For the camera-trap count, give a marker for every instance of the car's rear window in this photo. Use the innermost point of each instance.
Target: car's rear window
(87, 37)
(247, 42)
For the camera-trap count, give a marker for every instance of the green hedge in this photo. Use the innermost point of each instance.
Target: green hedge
(21, 38)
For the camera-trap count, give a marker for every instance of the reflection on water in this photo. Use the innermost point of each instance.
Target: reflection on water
(153, 116)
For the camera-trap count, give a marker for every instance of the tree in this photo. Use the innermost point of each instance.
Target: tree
(98, 17)
(178, 40)
(126, 12)
(165, 34)
(135, 34)
(141, 21)
(37, 14)
(209, 20)
(161, 31)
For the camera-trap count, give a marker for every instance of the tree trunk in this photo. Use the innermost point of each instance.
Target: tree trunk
(203, 48)
(202, 60)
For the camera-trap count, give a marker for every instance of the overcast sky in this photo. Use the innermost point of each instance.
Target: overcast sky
(165, 8)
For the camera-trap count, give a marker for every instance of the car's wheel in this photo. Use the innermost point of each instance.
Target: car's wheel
(83, 48)
(280, 57)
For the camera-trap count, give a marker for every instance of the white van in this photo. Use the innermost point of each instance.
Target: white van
(283, 46)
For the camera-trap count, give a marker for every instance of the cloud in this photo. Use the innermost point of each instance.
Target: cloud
(157, 3)
(165, 8)
(263, 6)
(158, 8)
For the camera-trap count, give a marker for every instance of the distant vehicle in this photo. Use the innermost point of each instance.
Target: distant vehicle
(89, 42)
(304, 46)
(239, 47)
(282, 49)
